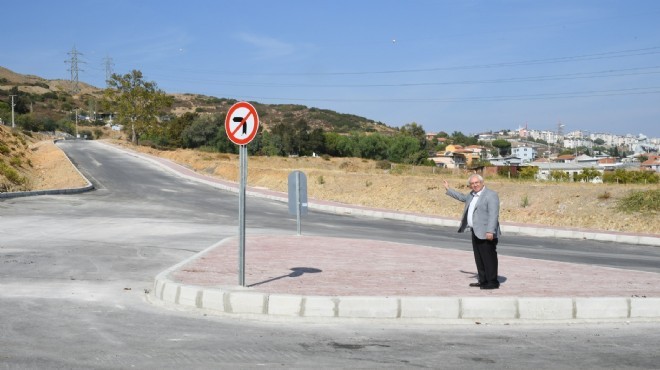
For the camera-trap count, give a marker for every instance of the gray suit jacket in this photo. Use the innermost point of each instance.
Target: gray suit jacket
(486, 213)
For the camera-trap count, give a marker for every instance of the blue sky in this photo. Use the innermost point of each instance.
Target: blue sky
(460, 65)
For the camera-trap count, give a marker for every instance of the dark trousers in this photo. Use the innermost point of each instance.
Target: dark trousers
(485, 256)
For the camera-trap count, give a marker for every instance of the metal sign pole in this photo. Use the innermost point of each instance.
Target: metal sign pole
(241, 126)
(242, 152)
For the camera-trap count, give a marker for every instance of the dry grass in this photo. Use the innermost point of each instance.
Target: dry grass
(420, 190)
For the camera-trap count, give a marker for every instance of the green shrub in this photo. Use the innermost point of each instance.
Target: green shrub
(558, 175)
(528, 172)
(621, 176)
(11, 174)
(524, 201)
(646, 201)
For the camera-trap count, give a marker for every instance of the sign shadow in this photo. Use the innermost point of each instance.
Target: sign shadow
(296, 271)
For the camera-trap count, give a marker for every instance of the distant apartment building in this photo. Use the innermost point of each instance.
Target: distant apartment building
(547, 136)
(577, 142)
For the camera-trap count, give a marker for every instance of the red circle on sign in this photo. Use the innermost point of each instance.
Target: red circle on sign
(242, 123)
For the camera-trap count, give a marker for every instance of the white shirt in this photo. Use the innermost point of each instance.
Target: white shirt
(471, 207)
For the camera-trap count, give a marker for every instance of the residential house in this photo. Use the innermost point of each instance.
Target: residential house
(506, 161)
(452, 157)
(651, 164)
(585, 159)
(546, 168)
(525, 153)
(608, 164)
(565, 158)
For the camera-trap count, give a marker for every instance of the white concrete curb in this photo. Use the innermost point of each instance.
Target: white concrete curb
(482, 309)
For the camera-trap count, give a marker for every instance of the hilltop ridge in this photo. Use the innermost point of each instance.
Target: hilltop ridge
(53, 98)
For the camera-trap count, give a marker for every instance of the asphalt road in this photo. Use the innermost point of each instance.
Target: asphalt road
(74, 270)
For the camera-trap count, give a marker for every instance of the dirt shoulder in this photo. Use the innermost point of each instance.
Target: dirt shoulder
(52, 169)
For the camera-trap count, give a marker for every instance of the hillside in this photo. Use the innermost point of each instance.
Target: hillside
(33, 162)
(52, 98)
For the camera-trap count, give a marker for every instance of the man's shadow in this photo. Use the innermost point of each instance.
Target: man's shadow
(500, 278)
(296, 271)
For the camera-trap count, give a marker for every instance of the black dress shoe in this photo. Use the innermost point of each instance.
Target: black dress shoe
(489, 287)
(475, 284)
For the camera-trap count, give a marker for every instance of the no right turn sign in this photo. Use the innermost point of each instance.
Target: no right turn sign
(242, 123)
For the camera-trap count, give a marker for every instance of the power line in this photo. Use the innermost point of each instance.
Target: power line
(566, 59)
(569, 76)
(564, 95)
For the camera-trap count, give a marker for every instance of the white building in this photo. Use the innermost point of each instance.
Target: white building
(525, 153)
(547, 136)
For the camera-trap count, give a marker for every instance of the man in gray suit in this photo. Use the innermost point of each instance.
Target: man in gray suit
(481, 215)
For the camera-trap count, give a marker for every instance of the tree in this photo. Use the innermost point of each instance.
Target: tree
(316, 141)
(137, 103)
(374, 146)
(416, 131)
(503, 146)
(176, 127)
(300, 138)
(286, 134)
(587, 174)
(201, 132)
(405, 149)
(614, 152)
(339, 145)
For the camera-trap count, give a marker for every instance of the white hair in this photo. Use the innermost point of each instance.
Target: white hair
(481, 179)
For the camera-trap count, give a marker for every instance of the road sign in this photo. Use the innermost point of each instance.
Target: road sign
(242, 123)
